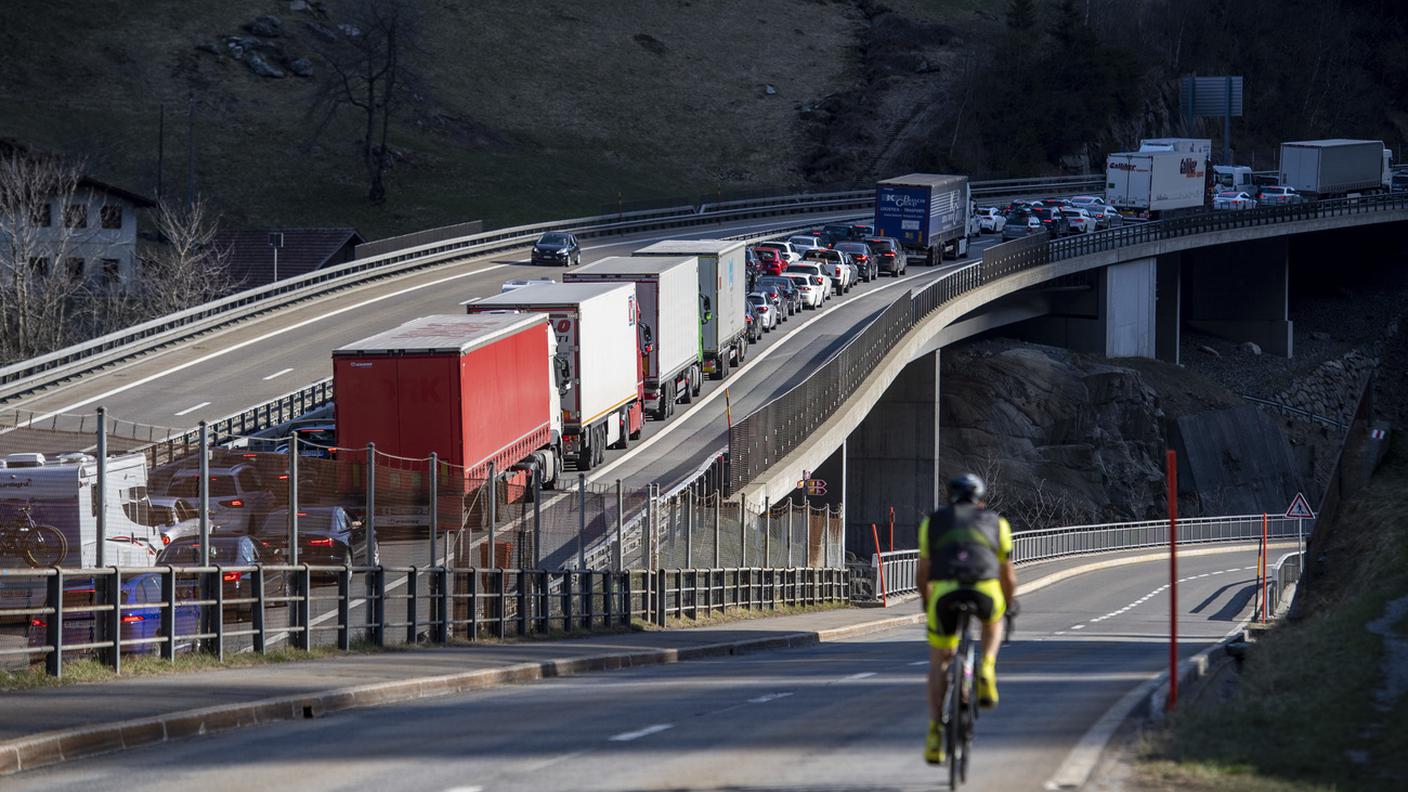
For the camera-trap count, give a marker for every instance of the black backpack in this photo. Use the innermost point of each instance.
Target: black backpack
(963, 542)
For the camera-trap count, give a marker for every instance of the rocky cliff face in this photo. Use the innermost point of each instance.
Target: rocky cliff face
(1064, 438)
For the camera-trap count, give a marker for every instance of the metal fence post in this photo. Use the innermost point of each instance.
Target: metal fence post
(114, 619)
(620, 528)
(689, 526)
(202, 494)
(293, 500)
(369, 543)
(718, 522)
(102, 492)
(493, 489)
(54, 632)
(581, 521)
(537, 475)
(168, 614)
(767, 531)
(434, 504)
(742, 534)
(789, 533)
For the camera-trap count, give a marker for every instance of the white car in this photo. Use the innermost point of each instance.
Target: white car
(802, 243)
(990, 220)
(834, 265)
(238, 497)
(812, 294)
(764, 312)
(1280, 196)
(1087, 201)
(1105, 216)
(1233, 200)
(783, 249)
(815, 270)
(1079, 220)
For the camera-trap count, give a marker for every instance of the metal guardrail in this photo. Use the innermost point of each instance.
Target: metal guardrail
(44, 370)
(768, 434)
(1296, 411)
(221, 608)
(899, 567)
(1284, 574)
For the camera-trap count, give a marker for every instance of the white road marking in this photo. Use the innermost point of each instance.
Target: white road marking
(1078, 627)
(639, 733)
(769, 697)
(466, 789)
(189, 410)
(277, 374)
(549, 762)
(679, 420)
(861, 675)
(920, 663)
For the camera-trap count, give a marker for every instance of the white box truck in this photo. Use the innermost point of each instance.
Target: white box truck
(1149, 183)
(667, 288)
(1200, 146)
(723, 303)
(1332, 168)
(597, 328)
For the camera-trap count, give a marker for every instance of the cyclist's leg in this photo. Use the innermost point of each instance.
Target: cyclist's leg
(991, 608)
(943, 639)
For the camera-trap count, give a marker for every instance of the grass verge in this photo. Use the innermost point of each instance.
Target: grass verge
(1303, 715)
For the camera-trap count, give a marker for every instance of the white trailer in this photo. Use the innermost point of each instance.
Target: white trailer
(1331, 168)
(667, 288)
(597, 327)
(723, 302)
(1149, 183)
(1199, 146)
(63, 493)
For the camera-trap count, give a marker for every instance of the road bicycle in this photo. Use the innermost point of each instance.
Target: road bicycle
(960, 714)
(38, 544)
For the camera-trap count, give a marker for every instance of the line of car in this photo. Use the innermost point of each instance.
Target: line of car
(804, 271)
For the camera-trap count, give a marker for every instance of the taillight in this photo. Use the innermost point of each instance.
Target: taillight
(230, 577)
(132, 618)
(233, 503)
(818, 281)
(165, 540)
(323, 542)
(888, 254)
(38, 622)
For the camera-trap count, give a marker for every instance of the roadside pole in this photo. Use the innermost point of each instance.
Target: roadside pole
(880, 567)
(101, 523)
(1171, 464)
(1263, 566)
(202, 494)
(581, 521)
(493, 489)
(434, 502)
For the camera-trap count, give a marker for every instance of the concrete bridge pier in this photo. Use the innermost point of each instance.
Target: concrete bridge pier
(1241, 292)
(892, 460)
(1114, 314)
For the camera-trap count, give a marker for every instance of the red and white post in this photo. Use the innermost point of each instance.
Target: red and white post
(880, 565)
(1171, 463)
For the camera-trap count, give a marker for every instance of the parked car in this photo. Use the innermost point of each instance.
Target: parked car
(764, 312)
(990, 220)
(1052, 220)
(864, 258)
(809, 288)
(558, 248)
(1079, 220)
(771, 262)
(1233, 201)
(816, 271)
(327, 536)
(889, 255)
(791, 296)
(783, 249)
(834, 261)
(141, 615)
(1276, 195)
(238, 497)
(233, 550)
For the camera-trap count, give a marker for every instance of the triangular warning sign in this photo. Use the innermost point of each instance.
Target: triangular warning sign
(1299, 509)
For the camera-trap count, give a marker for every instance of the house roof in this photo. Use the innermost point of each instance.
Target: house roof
(251, 259)
(15, 147)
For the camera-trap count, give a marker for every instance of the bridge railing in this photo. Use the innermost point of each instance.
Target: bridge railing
(765, 436)
(897, 569)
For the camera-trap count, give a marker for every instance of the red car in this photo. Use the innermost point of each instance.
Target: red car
(770, 261)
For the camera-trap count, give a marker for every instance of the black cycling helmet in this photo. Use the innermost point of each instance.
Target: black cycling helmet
(966, 488)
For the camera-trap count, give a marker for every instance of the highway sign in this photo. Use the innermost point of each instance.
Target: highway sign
(1299, 509)
(812, 486)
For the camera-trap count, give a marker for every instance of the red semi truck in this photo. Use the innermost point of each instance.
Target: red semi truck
(474, 389)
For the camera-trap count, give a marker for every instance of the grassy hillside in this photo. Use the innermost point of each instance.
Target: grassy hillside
(536, 110)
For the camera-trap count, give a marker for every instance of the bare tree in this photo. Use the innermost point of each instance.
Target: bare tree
(187, 267)
(43, 230)
(369, 73)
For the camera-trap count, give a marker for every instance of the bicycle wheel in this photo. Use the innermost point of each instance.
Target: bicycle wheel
(44, 545)
(953, 729)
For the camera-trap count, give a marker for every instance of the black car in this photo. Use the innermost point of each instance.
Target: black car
(558, 248)
(233, 550)
(889, 255)
(791, 298)
(327, 536)
(1052, 220)
(863, 257)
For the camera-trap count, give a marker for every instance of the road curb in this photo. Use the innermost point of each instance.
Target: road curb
(55, 747)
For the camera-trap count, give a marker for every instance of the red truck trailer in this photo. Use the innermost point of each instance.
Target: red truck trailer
(474, 389)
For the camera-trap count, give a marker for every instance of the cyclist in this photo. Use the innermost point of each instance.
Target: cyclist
(965, 555)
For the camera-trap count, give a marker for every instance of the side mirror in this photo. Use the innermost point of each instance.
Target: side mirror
(647, 338)
(706, 313)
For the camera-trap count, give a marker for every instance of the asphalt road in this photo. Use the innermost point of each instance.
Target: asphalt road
(845, 715)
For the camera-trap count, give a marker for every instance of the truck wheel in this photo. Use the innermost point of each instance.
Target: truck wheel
(663, 399)
(625, 426)
(742, 349)
(587, 455)
(696, 381)
(601, 444)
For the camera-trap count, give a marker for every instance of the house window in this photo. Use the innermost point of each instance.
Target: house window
(111, 269)
(76, 216)
(112, 216)
(39, 266)
(43, 216)
(75, 267)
